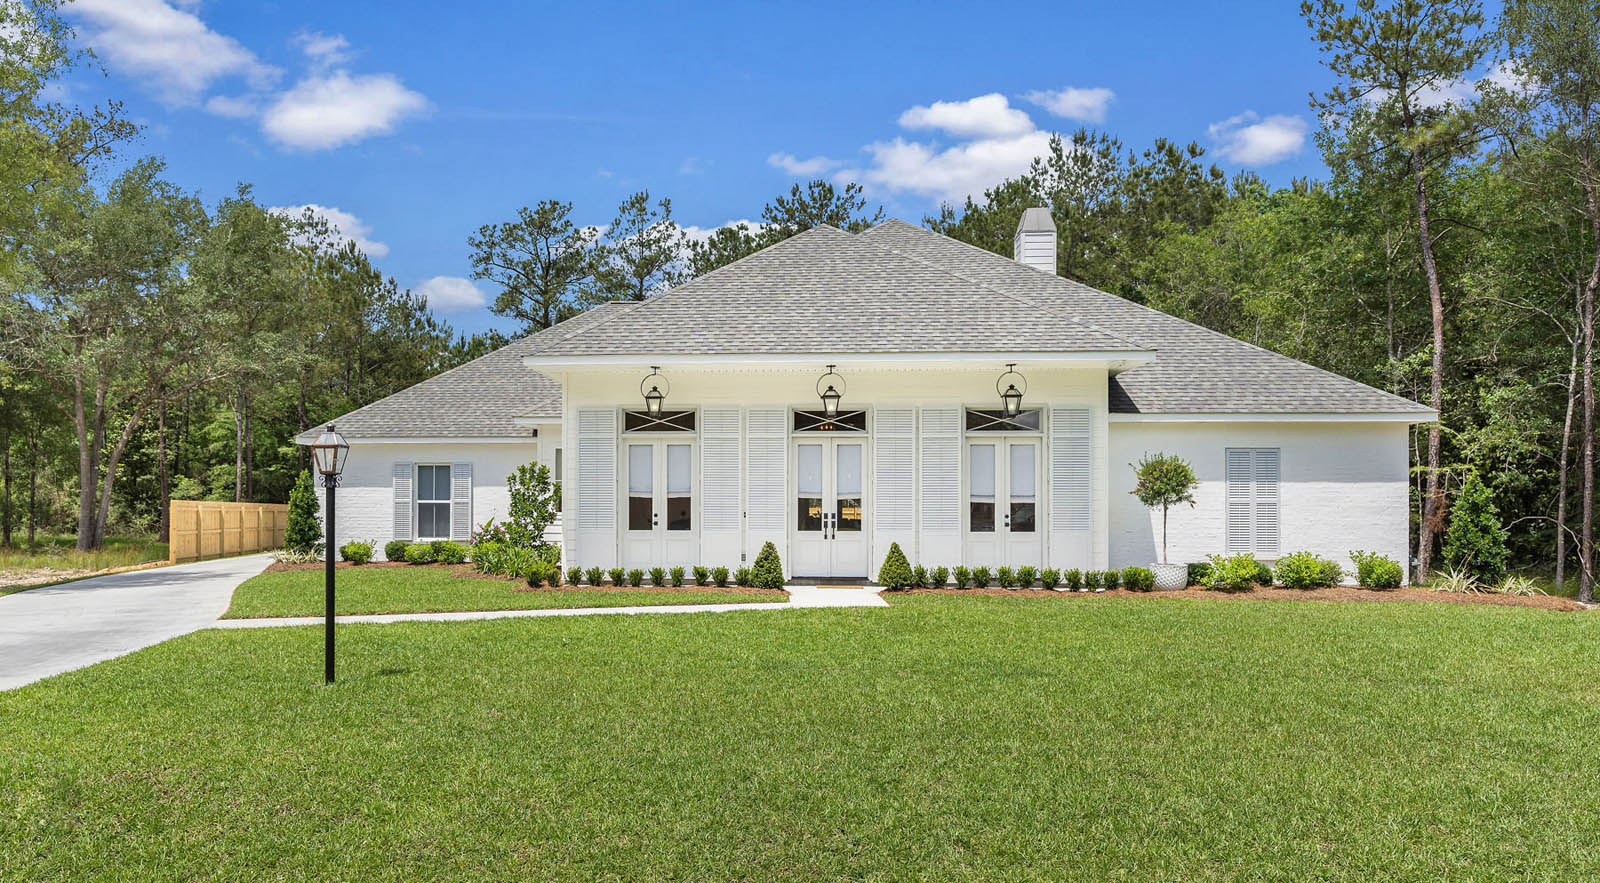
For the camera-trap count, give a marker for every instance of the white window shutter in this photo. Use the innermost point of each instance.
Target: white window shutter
(939, 486)
(461, 502)
(766, 502)
(404, 478)
(894, 466)
(1240, 478)
(1266, 503)
(597, 470)
(720, 486)
(1071, 470)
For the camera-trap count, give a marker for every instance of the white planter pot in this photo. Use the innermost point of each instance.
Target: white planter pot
(1171, 576)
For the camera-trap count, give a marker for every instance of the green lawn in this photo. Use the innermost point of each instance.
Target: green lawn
(944, 737)
(420, 589)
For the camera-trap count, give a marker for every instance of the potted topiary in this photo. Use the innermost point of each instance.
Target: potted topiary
(1165, 480)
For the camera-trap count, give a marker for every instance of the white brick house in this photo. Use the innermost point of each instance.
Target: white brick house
(918, 329)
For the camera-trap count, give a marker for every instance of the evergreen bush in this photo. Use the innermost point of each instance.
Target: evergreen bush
(1005, 577)
(395, 550)
(719, 575)
(658, 576)
(963, 577)
(938, 577)
(1138, 579)
(895, 574)
(766, 573)
(1050, 577)
(303, 534)
(356, 552)
(595, 576)
(677, 577)
(1072, 579)
(1026, 575)
(1374, 571)
(1476, 540)
(981, 578)
(1304, 570)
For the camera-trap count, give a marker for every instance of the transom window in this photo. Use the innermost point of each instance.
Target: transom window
(666, 421)
(985, 420)
(819, 421)
(433, 502)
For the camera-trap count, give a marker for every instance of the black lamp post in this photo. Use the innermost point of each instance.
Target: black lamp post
(329, 453)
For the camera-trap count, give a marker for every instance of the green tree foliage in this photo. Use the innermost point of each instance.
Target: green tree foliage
(643, 250)
(542, 262)
(533, 508)
(1164, 481)
(303, 533)
(803, 207)
(1476, 540)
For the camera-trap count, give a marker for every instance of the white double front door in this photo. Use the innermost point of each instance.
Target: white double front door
(830, 536)
(1002, 518)
(659, 511)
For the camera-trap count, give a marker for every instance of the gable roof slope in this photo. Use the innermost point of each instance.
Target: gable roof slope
(1196, 370)
(478, 399)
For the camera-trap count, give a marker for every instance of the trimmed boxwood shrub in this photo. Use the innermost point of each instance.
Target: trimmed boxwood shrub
(1026, 575)
(658, 576)
(594, 575)
(963, 577)
(719, 575)
(766, 573)
(1374, 571)
(676, 575)
(1263, 574)
(1110, 579)
(919, 577)
(1005, 577)
(939, 577)
(395, 550)
(618, 576)
(895, 574)
(574, 575)
(356, 552)
(702, 576)
(1050, 577)
(1072, 579)
(419, 553)
(1235, 573)
(1138, 579)
(981, 577)
(741, 577)
(1197, 572)
(541, 572)
(1304, 570)
(447, 552)
(636, 577)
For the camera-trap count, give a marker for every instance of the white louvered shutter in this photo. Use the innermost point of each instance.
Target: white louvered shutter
(939, 483)
(767, 479)
(1071, 488)
(461, 502)
(1239, 475)
(597, 487)
(404, 478)
(1265, 475)
(894, 467)
(719, 486)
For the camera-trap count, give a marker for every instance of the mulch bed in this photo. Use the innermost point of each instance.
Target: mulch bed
(1337, 593)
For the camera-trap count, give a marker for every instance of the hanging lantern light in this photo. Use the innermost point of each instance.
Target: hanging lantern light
(830, 396)
(654, 396)
(1011, 397)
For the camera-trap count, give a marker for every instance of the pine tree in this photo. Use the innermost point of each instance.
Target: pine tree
(303, 533)
(1476, 541)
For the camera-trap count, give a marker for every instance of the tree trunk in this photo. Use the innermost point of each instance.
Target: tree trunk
(163, 480)
(87, 469)
(1565, 454)
(33, 484)
(111, 475)
(1586, 539)
(249, 453)
(238, 448)
(5, 478)
(1433, 498)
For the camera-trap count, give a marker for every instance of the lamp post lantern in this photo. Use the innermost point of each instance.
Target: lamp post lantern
(1011, 398)
(830, 396)
(329, 453)
(654, 398)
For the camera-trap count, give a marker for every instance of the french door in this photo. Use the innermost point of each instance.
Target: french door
(1003, 509)
(659, 511)
(830, 535)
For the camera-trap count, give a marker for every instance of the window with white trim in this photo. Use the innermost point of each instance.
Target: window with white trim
(433, 502)
(1252, 501)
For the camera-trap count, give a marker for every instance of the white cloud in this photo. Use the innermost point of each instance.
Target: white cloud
(343, 225)
(988, 116)
(335, 109)
(323, 50)
(236, 107)
(951, 174)
(172, 49)
(1253, 141)
(451, 294)
(1073, 103)
(802, 168)
(701, 234)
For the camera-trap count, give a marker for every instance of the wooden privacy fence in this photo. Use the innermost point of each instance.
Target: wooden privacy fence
(201, 529)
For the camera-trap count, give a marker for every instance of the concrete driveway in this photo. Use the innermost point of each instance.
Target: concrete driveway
(45, 632)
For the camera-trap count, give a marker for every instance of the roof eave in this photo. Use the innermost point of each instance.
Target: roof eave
(1115, 360)
(1407, 417)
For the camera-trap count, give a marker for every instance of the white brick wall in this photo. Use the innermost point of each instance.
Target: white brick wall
(1343, 487)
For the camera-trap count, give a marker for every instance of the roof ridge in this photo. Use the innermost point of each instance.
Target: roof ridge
(1003, 293)
(1153, 311)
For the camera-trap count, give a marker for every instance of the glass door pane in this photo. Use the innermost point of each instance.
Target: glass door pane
(847, 487)
(980, 488)
(808, 485)
(680, 483)
(1024, 482)
(641, 486)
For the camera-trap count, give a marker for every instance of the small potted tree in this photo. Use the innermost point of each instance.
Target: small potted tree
(1165, 480)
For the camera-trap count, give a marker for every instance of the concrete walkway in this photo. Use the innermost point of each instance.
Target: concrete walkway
(799, 596)
(51, 630)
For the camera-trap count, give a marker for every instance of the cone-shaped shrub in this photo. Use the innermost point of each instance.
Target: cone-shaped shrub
(303, 534)
(895, 573)
(1476, 541)
(767, 572)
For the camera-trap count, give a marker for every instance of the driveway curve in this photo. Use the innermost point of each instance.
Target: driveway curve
(51, 630)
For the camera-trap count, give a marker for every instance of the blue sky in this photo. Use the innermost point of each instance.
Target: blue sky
(420, 121)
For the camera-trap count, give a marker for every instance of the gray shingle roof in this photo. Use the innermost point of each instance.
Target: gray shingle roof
(480, 399)
(1196, 370)
(827, 291)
